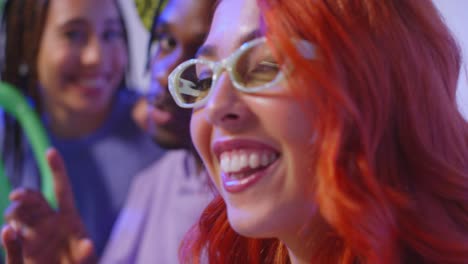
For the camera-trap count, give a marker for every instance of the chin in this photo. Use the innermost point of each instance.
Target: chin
(271, 220)
(88, 106)
(250, 224)
(88, 109)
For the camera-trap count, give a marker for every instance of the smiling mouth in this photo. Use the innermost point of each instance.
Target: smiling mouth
(242, 168)
(95, 83)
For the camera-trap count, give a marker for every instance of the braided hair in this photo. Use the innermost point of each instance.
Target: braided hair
(154, 24)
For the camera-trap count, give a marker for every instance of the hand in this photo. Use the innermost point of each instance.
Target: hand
(46, 235)
(12, 246)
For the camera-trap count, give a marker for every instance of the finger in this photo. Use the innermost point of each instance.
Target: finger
(83, 251)
(28, 208)
(17, 193)
(29, 197)
(12, 246)
(26, 215)
(62, 187)
(49, 231)
(42, 246)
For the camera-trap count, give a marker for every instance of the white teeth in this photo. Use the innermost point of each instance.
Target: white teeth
(243, 160)
(235, 164)
(254, 160)
(225, 162)
(235, 161)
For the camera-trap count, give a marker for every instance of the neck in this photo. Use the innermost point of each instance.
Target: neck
(308, 241)
(68, 124)
(298, 259)
(299, 250)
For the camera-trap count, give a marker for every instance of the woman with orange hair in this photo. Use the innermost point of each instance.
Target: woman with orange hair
(331, 132)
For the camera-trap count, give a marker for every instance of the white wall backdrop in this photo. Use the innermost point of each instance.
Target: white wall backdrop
(454, 11)
(138, 38)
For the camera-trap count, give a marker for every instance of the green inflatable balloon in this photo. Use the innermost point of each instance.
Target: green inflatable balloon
(16, 105)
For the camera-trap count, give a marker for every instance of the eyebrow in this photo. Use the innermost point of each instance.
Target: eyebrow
(79, 21)
(113, 21)
(74, 22)
(164, 25)
(211, 50)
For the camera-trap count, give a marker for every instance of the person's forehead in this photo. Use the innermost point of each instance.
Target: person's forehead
(188, 16)
(233, 20)
(62, 11)
(187, 10)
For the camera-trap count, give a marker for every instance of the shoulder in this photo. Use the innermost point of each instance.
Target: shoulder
(170, 162)
(168, 170)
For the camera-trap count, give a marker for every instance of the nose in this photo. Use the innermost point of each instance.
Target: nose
(226, 107)
(92, 53)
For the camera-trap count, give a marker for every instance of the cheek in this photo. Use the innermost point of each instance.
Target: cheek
(299, 133)
(201, 131)
(164, 63)
(55, 65)
(293, 129)
(121, 60)
(301, 147)
(200, 134)
(50, 71)
(124, 57)
(116, 55)
(290, 125)
(116, 60)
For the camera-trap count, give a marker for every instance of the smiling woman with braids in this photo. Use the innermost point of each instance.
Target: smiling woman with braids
(69, 57)
(331, 131)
